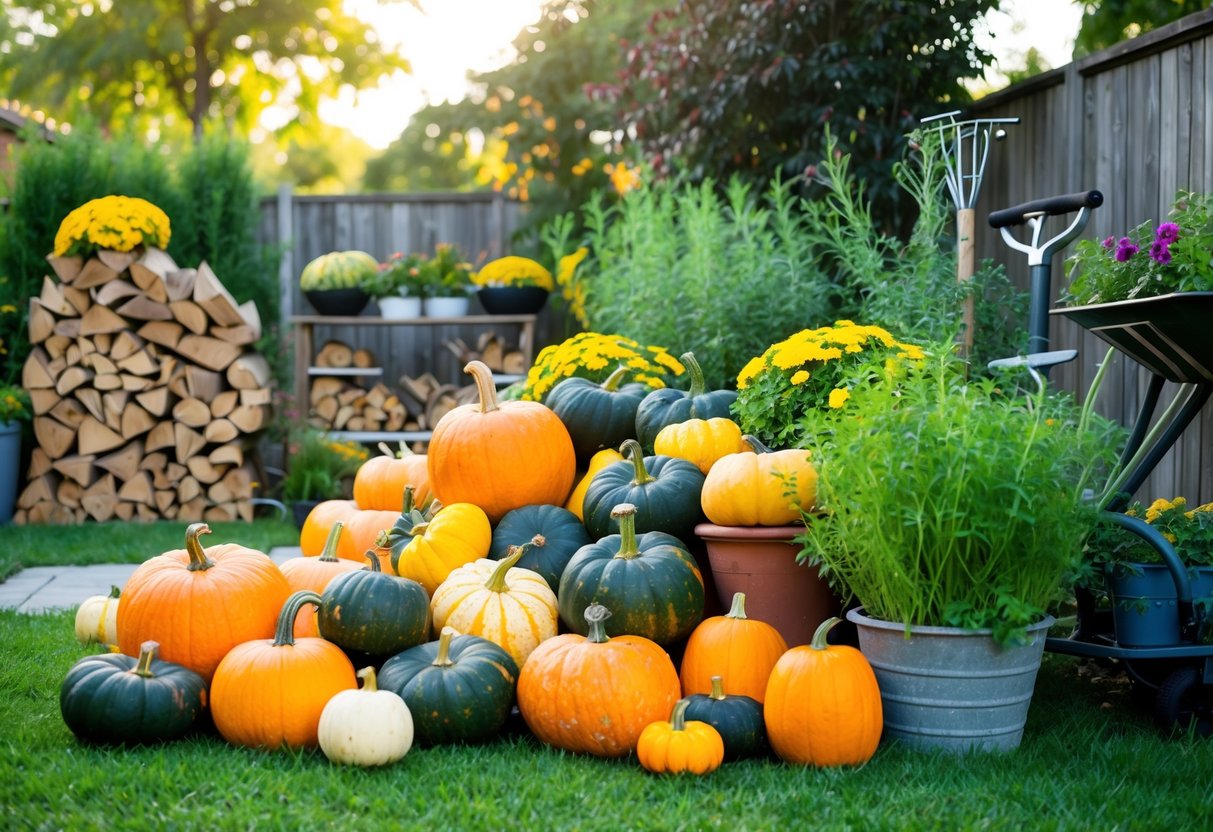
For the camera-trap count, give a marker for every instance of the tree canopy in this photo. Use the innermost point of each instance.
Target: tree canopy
(169, 62)
(1107, 22)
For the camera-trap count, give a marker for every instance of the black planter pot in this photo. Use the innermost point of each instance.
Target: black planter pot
(300, 509)
(512, 300)
(338, 301)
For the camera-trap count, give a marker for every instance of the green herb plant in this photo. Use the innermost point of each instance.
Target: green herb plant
(320, 467)
(954, 502)
(400, 275)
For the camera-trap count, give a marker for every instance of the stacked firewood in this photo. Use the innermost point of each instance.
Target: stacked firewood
(147, 397)
(337, 403)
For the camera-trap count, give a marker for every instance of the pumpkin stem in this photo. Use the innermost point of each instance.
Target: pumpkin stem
(496, 581)
(115, 592)
(738, 608)
(697, 386)
(329, 553)
(717, 686)
(596, 616)
(625, 513)
(443, 659)
(419, 528)
(539, 541)
(409, 501)
(819, 637)
(678, 719)
(755, 443)
(612, 381)
(381, 540)
(485, 388)
(147, 655)
(369, 681)
(370, 555)
(284, 634)
(632, 450)
(199, 562)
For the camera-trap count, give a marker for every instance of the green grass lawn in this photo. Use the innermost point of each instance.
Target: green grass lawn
(24, 546)
(1089, 760)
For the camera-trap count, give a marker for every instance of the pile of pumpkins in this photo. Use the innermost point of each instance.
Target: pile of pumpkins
(482, 576)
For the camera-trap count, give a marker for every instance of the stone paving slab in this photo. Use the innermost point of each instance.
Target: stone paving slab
(45, 588)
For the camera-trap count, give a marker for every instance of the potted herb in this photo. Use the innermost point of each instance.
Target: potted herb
(1139, 585)
(398, 286)
(320, 467)
(955, 512)
(448, 280)
(513, 286)
(14, 410)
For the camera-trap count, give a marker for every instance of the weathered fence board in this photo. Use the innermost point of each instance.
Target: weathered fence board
(1131, 121)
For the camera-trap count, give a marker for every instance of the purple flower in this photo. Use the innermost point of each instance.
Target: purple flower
(1167, 233)
(1108, 242)
(1125, 249)
(1160, 252)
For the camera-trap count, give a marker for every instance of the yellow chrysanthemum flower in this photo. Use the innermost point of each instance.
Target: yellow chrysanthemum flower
(514, 271)
(118, 223)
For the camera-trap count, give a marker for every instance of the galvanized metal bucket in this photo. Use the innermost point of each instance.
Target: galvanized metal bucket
(948, 688)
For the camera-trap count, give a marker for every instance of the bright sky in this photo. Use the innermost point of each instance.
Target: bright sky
(456, 36)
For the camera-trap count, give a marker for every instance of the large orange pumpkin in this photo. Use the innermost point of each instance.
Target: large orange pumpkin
(822, 704)
(759, 488)
(314, 573)
(380, 481)
(500, 455)
(362, 534)
(593, 694)
(320, 522)
(200, 603)
(270, 692)
(742, 650)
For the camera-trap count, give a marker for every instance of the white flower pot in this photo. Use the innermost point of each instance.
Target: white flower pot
(398, 308)
(446, 307)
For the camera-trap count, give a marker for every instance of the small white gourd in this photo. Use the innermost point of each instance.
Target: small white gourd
(366, 727)
(97, 619)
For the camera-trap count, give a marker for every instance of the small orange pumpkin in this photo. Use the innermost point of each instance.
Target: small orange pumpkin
(200, 603)
(380, 481)
(742, 650)
(314, 573)
(760, 487)
(822, 704)
(701, 441)
(680, 746)
(270, 693)
(500, 456)
(320, 522)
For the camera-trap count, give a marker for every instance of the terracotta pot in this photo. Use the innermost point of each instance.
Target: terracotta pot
(761, 562)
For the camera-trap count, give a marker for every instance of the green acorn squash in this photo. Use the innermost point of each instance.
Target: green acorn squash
(458, 688)
(650, 581)
(597, 415)
(374, 613)
(555, 535)
(737, 718)
(668, 406)
(664, 489)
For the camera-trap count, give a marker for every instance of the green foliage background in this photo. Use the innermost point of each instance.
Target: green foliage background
(206, 189)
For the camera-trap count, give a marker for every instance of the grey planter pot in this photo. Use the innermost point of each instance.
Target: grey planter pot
(948, 688)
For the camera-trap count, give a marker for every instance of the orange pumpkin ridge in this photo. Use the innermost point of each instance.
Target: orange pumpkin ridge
(314, 573)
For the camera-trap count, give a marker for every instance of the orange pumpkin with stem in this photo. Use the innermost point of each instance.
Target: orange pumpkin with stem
(500, 455)
(314, 573)
(380, 481)
(363, 532)
(680, 745)
(822, 704)
(320, 522)
(200, 603)
(594, 694)
(270, 693)
(742, 650)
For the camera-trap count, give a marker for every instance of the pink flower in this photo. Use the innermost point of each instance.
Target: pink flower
(1126, 249)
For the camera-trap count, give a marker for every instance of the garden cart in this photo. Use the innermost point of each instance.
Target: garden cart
(1163, 636)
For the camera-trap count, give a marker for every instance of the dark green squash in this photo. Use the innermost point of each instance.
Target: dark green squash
(458, 688)
(738, 719)
(664, 489)
(650, 582)
(597, 415)
(555, 535)
(112, 698)
(401, 533)
(374, 613)
(668, 406)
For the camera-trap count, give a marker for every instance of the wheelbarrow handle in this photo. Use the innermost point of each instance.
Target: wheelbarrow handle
(1051, 206)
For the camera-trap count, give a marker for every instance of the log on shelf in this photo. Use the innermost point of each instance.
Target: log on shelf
(146, 393)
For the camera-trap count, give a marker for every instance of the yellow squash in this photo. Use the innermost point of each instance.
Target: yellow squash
(457, 534)
(701, 441)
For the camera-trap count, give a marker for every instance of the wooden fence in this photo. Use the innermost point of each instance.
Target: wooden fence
(1134, 122)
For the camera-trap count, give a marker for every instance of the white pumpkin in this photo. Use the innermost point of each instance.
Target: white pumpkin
(366, 727)
(97, 619)
(510, 606)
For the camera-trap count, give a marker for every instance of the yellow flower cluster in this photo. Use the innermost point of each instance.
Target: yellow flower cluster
(118, 223)
(14, 404)
(572, 289)
(349, 451)
(514, 271)
(818, 355)
(594, 355)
